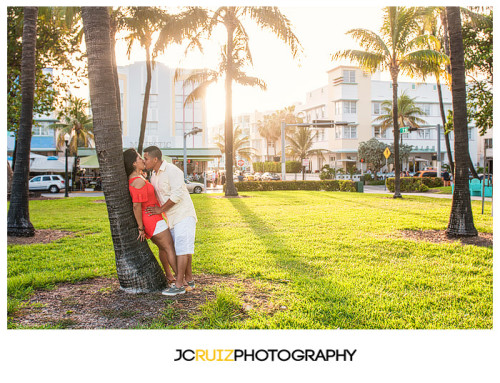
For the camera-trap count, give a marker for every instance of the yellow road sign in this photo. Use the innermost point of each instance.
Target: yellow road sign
(387, 153)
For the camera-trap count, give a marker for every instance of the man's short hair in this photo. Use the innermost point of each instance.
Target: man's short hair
(154, 151)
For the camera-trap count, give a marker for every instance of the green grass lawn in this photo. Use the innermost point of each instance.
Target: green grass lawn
(441, 190)
(327, 260)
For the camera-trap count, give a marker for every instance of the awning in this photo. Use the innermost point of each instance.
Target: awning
(421, 159)
(91, 162)
(51, 164)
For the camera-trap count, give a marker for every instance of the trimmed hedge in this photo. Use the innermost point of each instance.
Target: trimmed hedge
(415, 184)
(327, 185)
(275, 167)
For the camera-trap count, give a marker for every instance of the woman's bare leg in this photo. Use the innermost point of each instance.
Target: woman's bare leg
(166, 249)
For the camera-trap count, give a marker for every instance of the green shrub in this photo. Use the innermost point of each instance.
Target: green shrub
(327, 185)
(414, 184)
(275, 167)
(368, 177)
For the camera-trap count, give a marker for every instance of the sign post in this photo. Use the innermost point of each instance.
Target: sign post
(387, 153)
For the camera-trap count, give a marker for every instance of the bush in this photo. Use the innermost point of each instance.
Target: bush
(327, 185)
(368, 177)
(415, 184)
(275, 167)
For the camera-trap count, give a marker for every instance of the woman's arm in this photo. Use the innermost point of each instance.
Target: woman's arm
(137, 206)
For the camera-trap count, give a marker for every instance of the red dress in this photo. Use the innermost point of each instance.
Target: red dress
(146, 196)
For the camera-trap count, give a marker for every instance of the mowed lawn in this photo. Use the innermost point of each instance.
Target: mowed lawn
(323, 260)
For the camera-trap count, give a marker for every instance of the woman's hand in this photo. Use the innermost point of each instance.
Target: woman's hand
(142, 235)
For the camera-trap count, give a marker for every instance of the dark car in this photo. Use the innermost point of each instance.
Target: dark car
(426, 173)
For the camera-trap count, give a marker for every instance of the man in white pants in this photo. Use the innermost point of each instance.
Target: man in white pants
(175, 201)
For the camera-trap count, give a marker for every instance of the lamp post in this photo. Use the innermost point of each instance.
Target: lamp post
(66, 184)
(193, 132)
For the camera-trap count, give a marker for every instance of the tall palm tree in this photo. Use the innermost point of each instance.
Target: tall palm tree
(397, 49)
(461, 222)
(142, 23)
(431, 26)
(137, 268)
(241, 145)
(300, 142)
(18, 217)
(265, 130)
(408, 113)
(235, 57)
(76, 123)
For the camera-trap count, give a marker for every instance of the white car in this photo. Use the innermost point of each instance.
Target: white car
(52, 183)
(194, 187)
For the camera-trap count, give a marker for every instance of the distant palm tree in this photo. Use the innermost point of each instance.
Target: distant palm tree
(397, 49)
(266, 131)
(142, 23)
(461, 222)
(76, 123)
(300, 142)
(18, 217)
(241, 145)
(408, 114)
(235, 57)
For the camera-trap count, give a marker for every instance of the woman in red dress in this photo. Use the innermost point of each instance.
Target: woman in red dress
(153, 227)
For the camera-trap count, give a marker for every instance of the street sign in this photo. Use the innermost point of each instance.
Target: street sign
(387, 153)
(241, 162)
(404, 129)
(305, 162)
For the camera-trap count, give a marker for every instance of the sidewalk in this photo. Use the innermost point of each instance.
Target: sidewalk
(380, 189)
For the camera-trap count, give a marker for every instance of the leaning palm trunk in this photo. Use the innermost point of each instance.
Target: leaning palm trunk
(228, 125)
(461, 222)
(18, 217)
(137, 268)
(397, 187)
(443, 119)
(146, 101)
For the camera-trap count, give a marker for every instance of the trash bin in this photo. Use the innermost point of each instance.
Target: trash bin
(359, 187)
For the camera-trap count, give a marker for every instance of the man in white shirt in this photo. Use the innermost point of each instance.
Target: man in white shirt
(175, 201)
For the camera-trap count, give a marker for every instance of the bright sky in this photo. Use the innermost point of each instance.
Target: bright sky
(321, 31)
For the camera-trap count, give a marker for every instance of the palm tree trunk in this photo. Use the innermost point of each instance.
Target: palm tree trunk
(18, 217)
(397, 167)
(461, 222)
(443, 119)
(112, 36)
(228, 125)
(146, 100)
(137, 268)
(447, 49)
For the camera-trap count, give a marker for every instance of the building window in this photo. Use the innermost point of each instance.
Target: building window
(349, 107)
(338, 108)
(349, 76)
(426, 108)
(350, 132)
(376, 108)
(424, 134)
(323, 111)
(41, 129)
(434, 87)
(151, 127)
(378, 132)
(488, 142)
(469, 133)
(413, 86)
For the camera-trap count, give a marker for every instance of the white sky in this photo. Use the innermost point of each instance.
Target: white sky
(321, 31)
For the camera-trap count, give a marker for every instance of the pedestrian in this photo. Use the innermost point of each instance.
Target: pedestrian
(175, 201)
(446, 178)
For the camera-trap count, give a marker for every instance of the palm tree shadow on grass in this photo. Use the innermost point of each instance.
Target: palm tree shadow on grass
(336, 306)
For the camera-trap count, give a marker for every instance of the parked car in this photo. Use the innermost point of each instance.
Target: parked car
(52, 183)
(270, 177)
(249, 177)
(257, 176)
(194, 187)
(426, 173)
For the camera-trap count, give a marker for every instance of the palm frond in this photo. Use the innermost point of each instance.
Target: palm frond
(367, 60)
(369, 40)
(271, 19)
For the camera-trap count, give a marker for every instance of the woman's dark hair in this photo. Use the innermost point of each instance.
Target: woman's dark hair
(129, 157)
